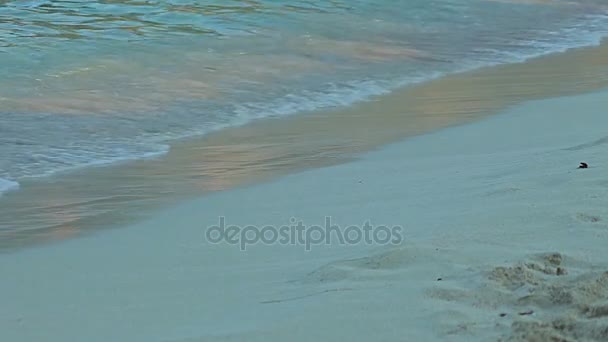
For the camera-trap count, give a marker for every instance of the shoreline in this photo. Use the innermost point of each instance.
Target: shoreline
(271, 148)
(487, 227)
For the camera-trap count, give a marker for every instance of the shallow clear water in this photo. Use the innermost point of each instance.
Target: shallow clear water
(92, 82)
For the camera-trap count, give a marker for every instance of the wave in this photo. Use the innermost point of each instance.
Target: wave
(585, 31)
(83, 159)
(590, 32)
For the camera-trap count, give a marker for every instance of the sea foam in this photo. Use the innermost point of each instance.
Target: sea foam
(7, 185)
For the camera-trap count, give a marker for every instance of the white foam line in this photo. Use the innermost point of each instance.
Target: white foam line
(7, 185)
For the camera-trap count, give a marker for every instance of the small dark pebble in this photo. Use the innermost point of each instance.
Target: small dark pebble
(503, 314)
(439, 279)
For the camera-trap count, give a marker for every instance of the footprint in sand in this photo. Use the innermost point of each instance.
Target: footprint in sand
(350, 274)
(503, 191)
(537, 300)
(362, 268)
(587, 218)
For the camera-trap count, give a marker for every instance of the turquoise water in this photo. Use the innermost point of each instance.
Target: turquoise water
(86, 83)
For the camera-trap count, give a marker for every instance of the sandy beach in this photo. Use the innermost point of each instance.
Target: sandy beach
(265, 170)
(503, 239)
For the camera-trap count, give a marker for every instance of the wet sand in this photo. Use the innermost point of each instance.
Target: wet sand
(83, 201)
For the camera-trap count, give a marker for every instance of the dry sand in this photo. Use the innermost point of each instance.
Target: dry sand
(505, 240)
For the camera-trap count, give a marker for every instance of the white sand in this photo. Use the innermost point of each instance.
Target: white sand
(485, 208)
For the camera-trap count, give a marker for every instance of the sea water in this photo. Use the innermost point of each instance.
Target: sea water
(87, 83)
